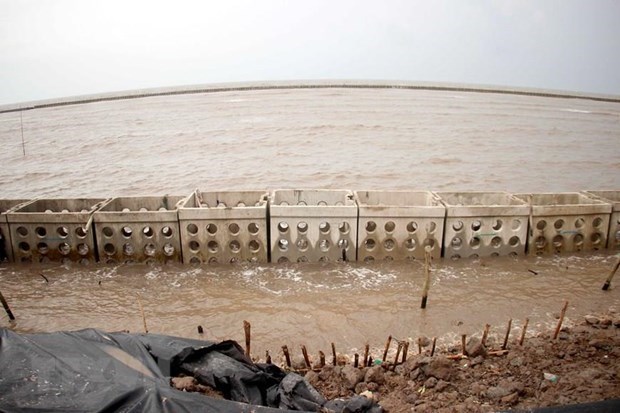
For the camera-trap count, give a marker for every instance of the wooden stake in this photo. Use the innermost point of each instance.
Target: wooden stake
(405, 351)
(356, 361)
(200, 330)
(419, 345)
(247, 327)
(427, 272)
(287, 356)
(6, 307)
(387, 347)
(507, 335)
(146, 330)
(485, 334)
(370, 360)
(522, 338)
(366, 350)
(561, 320)
(306, 358)
(322, 359)
(398, 350)
(433, 347)
(334, 353)
(611, 274)
(464, 344)
(268, 357)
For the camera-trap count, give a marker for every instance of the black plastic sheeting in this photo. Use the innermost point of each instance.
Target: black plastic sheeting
(93, 371)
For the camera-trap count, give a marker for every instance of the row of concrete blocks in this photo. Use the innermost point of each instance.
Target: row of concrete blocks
(307, 226)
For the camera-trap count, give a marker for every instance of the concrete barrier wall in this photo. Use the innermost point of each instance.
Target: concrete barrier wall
(306, 226)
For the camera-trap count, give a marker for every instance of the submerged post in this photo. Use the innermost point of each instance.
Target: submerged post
(387, 347)
(611, 274)
(334, 353)
(366, 350)
(507, 335)
(433, 346)
(427, 273)
(527, 320)
(287, 356)
(485, 334)
(247, 328)
(6, 307)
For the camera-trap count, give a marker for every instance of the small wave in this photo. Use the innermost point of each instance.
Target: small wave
(444, 161)
(575, 110)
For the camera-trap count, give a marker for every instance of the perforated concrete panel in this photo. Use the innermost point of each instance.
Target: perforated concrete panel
(6, 247)
(139, 230)
(566, 222)
(613, 198)
(224, 227)
(397, 225)
(54, 230)
(313, 225)
(484, 224)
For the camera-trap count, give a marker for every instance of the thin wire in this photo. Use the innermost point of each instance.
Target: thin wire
(21, 120)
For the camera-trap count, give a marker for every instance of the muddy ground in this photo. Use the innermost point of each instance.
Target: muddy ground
(581, 365)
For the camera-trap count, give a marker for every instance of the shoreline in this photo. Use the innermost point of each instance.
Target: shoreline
(289, 85)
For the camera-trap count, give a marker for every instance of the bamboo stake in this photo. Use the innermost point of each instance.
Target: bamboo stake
(366, 350)
(322, 359)
(387, 347)
(561, 320)
(357, 360)
(427, 272)
(507, 335)
(247, 327)
(334, 353)
(6, 307)
(419, 345)
(146, 330)
(433, 347)
(487, 327)
(287, 356)
(306, 358)
(268, 357)
(611, 274)
(405, 351)
(464, 344)
(522, 338)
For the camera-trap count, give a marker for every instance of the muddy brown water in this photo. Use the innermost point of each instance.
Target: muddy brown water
(323, 138)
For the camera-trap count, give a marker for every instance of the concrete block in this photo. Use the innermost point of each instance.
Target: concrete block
(139, 230)
(313, 225)
(397, 225)
(58, 230)
(484, 224)
(613, 198)
(566, 222)
(224, 227)
(6, 246)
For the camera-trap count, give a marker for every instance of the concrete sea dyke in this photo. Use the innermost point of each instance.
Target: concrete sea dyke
(306, 226)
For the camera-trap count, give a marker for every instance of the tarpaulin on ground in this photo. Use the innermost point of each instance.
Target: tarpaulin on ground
(93, 371)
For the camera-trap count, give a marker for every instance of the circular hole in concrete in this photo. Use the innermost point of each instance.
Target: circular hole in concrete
(22, 231)
(497, 225)
(578, 239)
(80, 232)
(558, 241)
(388, 258)
(324, 259)
(253, 228)
(109, 249)
(371, 226)
(149, 249)
(213, 246)
(148, 232)
(302, 227)
(283, 227)
(429, 242)
(194, 246)
(476, 225)
(83, 249)
(128, 249)
(410, 244)
(211, 229)
(64, 248)
(324, 245)
(596, 238)
(233, 228)
(302, 244)
(496, 242)
(541, 242)
(324, 227)
(474, 242)
(412, 227)
(192, 229)
(254, 245)
(558, 223)
(579, 223)
(388, 244)
(127, 232)
(597, 222)
(234, 245)
(456, 243)
(344, 227)
(369, 244)
(166, 232)
(514, 241)
(302, 259)
(516, 224)
(283, 244)
(369, 259)
(41, 247)
(107, 232)
(194, 260)
(432, 227)
(213, 260)
(457, 226)
(343, 244)
(63, 232)
(41, 232)
(455, 257)
(282, 260)
(542, 224)
(389, 226)
(168, 250)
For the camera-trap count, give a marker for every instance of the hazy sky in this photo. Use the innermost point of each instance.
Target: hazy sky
(54, 48)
